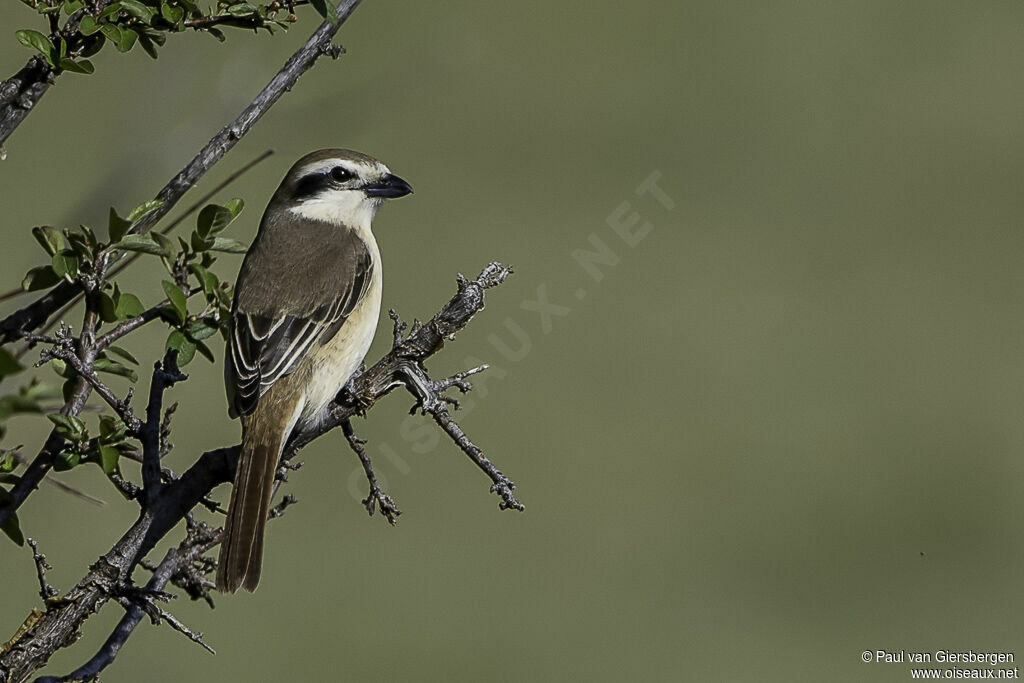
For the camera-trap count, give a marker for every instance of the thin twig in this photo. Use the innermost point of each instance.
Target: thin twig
(46, 591)
(164, 375)
(63, 352)
(377, 498)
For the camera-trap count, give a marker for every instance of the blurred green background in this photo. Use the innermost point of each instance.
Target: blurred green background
(784, 428)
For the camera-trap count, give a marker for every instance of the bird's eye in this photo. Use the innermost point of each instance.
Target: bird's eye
(340, 174)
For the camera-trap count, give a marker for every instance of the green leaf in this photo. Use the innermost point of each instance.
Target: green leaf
(68, 426)
(241, 9)
(141, 243)
(111, 32)
(123, 353)
(49, 238)
(72, 6)
(88, 26)
(217, 33)
(90, 236)
(148, 45)
(109, 11)
(138, 10)
(144, 208)
(117, 226)
(228, 245)
(201, 329)
(65, 264)
(114, 368)
(205, 350)
(108, 459)
(165, 243)
(207, 280)
(112, 430)
(61, 368)
(40, 277)
(78, 243)
(186, 348)
(171, 14)
(199, 243)
(129, 306)
(66, 460)
(37, 41)
(177, 299)
(127, 41)
(235, 206)
(8, 364)
(108, 309)
(83, 66)
(327, 10)
(11, 526)
(212, 219)
(91, 45)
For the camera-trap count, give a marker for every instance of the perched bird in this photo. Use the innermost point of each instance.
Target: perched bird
(306, 306)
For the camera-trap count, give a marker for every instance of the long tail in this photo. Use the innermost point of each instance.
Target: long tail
(241, 553)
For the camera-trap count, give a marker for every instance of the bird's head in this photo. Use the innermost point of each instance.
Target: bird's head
(339, 186)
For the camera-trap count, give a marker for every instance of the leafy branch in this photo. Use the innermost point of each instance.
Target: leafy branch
(78, 29)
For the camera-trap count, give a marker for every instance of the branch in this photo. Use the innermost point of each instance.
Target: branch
(62, 350)
(56, 628)
(164, 376)
(174, 561)
(46, 591)
(38, 312)
(377, 498)
(21, 92)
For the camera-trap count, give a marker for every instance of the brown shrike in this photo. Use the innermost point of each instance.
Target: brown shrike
(305, 311)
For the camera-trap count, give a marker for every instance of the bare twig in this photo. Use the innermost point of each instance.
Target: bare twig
(46, 591)
(285, 503)
(164, 375)
(62, 350)
(377, 498)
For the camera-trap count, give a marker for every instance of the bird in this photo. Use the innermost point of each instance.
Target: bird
(305, 310)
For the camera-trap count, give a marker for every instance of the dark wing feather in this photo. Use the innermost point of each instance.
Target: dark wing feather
(271, 331)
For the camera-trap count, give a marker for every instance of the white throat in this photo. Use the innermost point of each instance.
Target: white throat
(341, 207)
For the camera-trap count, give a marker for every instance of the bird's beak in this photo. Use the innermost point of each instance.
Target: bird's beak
(388, 187)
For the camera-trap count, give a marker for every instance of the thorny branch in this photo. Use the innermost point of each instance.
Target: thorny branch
(110, 577)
